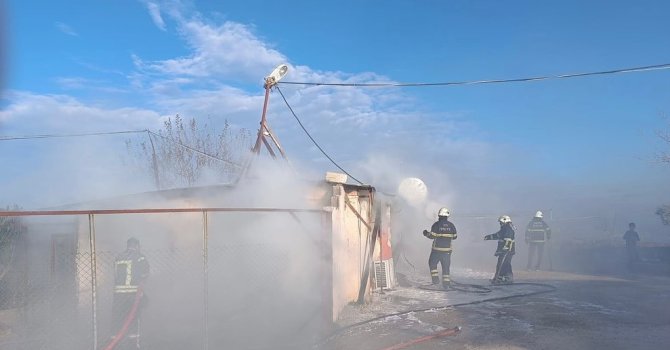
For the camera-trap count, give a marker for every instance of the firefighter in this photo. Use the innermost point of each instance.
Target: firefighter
(442, 233)
(504, 252)
(537, 233)
(131, 270)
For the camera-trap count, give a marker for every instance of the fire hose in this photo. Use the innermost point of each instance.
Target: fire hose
(128, 320)
(455, 286)
(446, 333)
(461, 287)
(548, 288)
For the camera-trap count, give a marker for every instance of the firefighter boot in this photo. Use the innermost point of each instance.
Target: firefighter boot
(446, 282)
(435, 277)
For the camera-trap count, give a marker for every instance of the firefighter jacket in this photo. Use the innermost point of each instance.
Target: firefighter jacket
(537, 231)
(631, 238)
(131, 268)
(505, 239)
(442, 232)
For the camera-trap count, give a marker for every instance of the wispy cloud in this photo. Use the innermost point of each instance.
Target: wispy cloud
(73, 82)
(223, 55)
(226, 51)
(231, 53)
(155, 13)
(90, 85)
(66, 29)
(33, 113)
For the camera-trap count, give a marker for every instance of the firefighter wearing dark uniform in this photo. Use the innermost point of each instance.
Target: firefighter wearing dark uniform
(537, 233)
(442, 233)
(131, 269)
(631, 237)
(504, 252)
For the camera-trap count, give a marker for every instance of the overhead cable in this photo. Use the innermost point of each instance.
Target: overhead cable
(492, 81)
(49, 136)
(314, 141)
(194, 149)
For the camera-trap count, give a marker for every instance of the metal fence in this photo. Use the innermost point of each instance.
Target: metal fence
(238, 278)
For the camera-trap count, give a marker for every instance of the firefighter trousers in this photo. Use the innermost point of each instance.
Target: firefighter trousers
(122, 304)
(504, 266)
(534, 247)
(444, 259)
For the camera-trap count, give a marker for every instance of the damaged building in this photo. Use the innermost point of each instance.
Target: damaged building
(222, 272)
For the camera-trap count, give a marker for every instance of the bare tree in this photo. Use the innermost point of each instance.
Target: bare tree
(185, 153)
(664, 213)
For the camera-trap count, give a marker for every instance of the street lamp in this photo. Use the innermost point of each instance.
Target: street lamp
(264, 130)
(276, 75)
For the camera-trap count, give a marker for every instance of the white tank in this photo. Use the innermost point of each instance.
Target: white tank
(413, 190)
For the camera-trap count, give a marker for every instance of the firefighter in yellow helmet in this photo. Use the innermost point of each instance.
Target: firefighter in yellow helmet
(442, 233)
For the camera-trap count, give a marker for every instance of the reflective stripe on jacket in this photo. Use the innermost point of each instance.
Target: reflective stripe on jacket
(537, 231)
(505, 237)
(442, 232)
(131, 268)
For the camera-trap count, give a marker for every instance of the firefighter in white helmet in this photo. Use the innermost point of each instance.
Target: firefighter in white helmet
(537, 233)
(442, 233)
(504, 252)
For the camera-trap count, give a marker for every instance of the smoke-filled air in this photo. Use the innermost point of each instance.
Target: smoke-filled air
(185, 174)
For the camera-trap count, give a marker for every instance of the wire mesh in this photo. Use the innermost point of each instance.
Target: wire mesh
(244, 280)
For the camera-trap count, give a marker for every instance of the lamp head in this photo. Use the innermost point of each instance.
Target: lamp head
(276, 75)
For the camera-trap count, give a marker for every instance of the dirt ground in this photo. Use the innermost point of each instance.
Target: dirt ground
(584, 312)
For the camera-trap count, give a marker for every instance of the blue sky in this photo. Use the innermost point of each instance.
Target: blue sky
(87, 66)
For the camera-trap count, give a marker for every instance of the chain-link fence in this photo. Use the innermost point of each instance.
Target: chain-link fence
(219, 278)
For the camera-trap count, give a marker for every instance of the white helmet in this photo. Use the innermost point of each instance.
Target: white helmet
(443, 212)
(538, 214)
(504, 219)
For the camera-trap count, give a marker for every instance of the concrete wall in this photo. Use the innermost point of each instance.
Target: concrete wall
(350, 242)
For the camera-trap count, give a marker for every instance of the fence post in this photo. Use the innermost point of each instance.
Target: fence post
(94, 310)
(205, 239)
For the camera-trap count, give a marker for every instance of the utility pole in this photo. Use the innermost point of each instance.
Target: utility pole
(264, 131)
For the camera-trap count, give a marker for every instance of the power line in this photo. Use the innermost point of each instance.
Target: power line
(193, 149)
(49, 136)
(492, 81)
(314, 141)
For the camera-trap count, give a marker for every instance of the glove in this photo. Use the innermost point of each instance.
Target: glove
(487, 237)
(426, 233)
